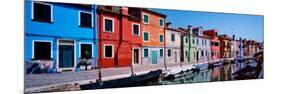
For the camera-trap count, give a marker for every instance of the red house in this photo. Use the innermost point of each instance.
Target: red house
(119, 36)
(215, 43)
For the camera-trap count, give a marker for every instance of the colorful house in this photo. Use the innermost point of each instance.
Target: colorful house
(225, 46)
(188, 46)
(153, 31)
(203, 53)
(173, 44)
(215, 43)
(60, 36)
(120, 36)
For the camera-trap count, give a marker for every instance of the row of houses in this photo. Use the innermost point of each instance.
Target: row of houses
(64, 36)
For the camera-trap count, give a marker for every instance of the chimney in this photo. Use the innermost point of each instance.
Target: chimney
(168, 24)
(233, 37)
(189, 29)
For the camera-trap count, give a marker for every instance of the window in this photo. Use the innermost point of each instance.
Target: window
(42, 12)
(42, 50)
(108, 50)
(108, 25)
(146, 36)
(161, 38)
(193, 41)
(145, 52)
(86, 51)
(197, 41)
(186, 53)
(161, 52)
(85, 19)
(136, 29)
(146, 18)
(202, 53)
(169, 52)
(206, 53)
(161, 22)
(203, 42)
(172, 37)
(186, 40)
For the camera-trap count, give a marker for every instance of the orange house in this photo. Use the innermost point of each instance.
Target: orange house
(153, 33)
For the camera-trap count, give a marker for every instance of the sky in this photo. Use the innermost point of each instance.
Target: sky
(241, 25)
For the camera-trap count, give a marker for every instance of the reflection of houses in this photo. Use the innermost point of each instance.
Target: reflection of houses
(203, 53)
(153, 36)
(57, 41)
(215, 43)
(173, 44)
(240, 48)
(120, 36)
(225, 46)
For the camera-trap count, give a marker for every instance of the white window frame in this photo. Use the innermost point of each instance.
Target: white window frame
(133, 29)
(148, 36)
(32, 9)
(163, 38)
(112, 24)
(104, 50)
(163, 22)
(33, 44)
(92, 15)
(80, 45)
(143, 18)
(147, 53)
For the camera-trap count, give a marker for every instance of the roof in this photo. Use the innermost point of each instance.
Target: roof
(153, 12)
(175, 29)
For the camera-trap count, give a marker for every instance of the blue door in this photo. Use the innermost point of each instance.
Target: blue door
(66, 56)
(154, 57)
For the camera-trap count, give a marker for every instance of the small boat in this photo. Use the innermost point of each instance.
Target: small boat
(199, 67)
(219, 63)
(180, 74)
(139, 80)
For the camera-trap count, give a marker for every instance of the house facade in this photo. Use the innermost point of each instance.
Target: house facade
(225, 46)
(120, 36)
(153, 31)
(203, 45)
(215, 43)
(59, 36)
(240, 47)
(173, 44)
(188, 46)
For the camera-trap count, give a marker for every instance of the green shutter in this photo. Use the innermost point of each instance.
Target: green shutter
(161, 22)
(145, 36)
(161, 38)
(145, 18)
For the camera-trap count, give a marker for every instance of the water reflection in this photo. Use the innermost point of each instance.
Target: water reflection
(221, 73)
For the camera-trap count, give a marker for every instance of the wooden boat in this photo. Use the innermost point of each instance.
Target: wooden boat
(139, 80)
(199, 67)
(180, 74)
(219, 63)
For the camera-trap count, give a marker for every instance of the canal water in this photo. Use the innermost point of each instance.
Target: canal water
(220, 73)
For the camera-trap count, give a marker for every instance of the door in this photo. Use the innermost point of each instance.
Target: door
(66, 56)
(136, 56)
(153, 57)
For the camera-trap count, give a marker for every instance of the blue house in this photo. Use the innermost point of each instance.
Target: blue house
(60, 36)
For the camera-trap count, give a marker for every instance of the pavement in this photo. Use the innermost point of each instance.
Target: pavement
(37, 81)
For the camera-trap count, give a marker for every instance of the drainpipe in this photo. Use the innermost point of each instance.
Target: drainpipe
(164, 46)
(99, 61)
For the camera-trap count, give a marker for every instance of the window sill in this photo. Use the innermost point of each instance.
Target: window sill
(42, 21)
(86, 26)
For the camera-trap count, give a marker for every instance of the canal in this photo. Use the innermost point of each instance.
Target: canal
(219, 73)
